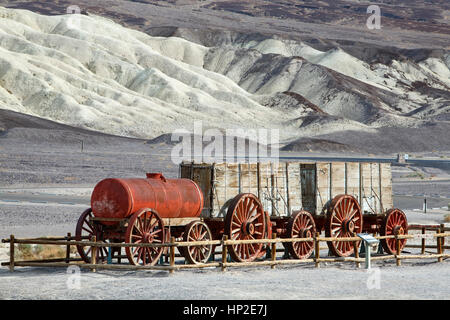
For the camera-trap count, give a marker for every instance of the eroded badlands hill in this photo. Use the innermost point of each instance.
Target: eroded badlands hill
(89, 72)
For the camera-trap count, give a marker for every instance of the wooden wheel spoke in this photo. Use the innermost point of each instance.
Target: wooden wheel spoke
(156, 232)
(252, 209)
(202, 236)
(240, 211)
(248, 251)
(235, 237)
(144, 222)
(245, 204)
(334, 229)
(139, 226)
(88, 231)
(340, 211)
(139, 254)
(149, 252)
(352, 214)
(236, 224)
(255, 217)
(235, 230)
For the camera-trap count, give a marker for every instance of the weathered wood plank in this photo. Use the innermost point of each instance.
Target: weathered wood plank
(337, 179)
(322, 185)
(298, 185)
(353, 179)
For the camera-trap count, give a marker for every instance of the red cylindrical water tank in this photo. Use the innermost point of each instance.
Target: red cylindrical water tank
(171, 198)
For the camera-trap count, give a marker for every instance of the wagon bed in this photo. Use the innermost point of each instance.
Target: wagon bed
(291, 186)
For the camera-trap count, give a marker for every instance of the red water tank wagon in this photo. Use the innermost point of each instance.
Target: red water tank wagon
(171, 198)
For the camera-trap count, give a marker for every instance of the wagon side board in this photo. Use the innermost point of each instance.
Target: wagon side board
(290, 186)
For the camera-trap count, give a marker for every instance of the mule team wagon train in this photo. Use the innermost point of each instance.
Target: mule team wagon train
(243, 201)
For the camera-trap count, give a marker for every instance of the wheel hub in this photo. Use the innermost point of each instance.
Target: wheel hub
(249, 229)
(398, 230)
(348, 226)
(147, 238)
(305, 233)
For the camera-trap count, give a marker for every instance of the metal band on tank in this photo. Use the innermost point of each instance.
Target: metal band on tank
(199, 211)
(147, 180)
(130, 196)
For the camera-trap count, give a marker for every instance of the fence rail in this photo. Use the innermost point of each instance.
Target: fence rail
(68, 241)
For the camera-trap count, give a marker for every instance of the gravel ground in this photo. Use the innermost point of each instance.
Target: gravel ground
(413, 280)
(35, 220)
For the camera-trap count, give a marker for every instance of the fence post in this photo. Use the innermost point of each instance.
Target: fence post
(11, 253)
(172, 254)
(274, 250)
(68, 238)
(355, 249)
(439, 245)
(443, 238)
(224, 252)
(423, 241)
(94, 253)
(317, 249)
(397, 242)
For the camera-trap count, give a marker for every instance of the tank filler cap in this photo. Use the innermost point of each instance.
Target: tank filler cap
(156, 176)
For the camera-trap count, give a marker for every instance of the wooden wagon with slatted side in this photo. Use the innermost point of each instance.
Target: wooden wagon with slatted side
(296, 199)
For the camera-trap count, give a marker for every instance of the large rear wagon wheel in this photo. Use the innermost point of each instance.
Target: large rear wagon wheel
(344, 217)
(145, 226)
(301, 225)
(245, 220)
(86, 228)
(395, 222)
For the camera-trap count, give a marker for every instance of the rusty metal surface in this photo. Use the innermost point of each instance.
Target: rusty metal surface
(171, 198)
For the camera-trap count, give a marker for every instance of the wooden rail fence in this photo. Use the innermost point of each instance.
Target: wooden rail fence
(68, 241)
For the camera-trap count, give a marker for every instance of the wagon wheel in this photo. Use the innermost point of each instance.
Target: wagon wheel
(344, 218)
(394, 222)
(268, 235)
(145, 226)
(197, 231)
(301, 225)
(245, 221)
(88, 228)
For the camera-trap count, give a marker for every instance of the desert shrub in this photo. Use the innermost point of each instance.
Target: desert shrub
(38, 252)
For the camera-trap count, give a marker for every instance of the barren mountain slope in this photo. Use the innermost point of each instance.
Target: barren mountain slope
(99, 75)
(89, 72)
